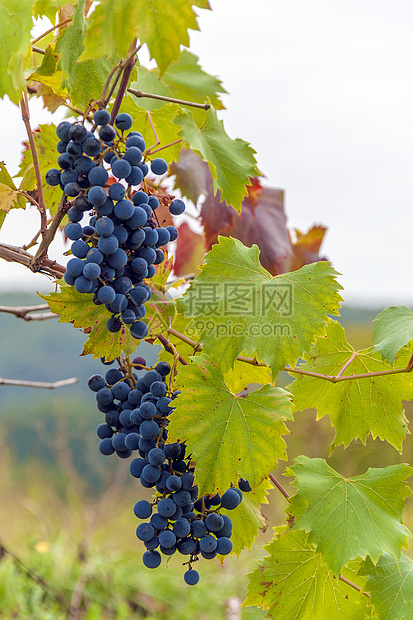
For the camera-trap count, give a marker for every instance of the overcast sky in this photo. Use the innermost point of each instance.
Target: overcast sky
(324, 93)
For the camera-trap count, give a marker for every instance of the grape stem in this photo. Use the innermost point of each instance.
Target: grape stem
(62, 23)
(105, 97)
(139, 93)
(279, 487)
(24, 106)
(127, 70)
(170, 349)
(198, 346)
(40, 259)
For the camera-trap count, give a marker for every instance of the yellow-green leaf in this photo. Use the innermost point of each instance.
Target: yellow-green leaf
(229, 436)
(357, 406)
(293, 583)
(78, 308)
(231, 162)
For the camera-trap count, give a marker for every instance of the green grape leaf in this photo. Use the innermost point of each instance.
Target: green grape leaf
(78, 308)
(231, 162)
(15, 26)
(350, 517)
(229, 436)
(166, 130)
(161, 24)
(356, 407)
(293, 582)
(244, 374)
(183, 79)
(45, 140)
(162, 273)
(390, 584)
(248, 519)
(239, 306)
(9, 198)
(84, 80)
(392, 331)
(48, 65)
(160, 312)
(47, 8)
(110, 29)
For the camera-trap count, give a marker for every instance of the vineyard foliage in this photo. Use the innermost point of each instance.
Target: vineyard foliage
(233, 305)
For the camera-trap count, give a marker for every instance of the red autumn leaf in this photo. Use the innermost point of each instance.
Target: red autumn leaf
(190, 250)
(307, 246)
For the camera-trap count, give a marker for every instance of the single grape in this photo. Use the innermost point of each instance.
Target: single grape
(107, 133)
(98, 176)
(53, 177)
(121, 168)
(101, 117)
(173, 233)
(177, 207)
(123, 121)
(124, 209)
(77, 133)
(97, 195)
(191, 577)
(91, 146)
(62, 131)
(117, 191)
(140, 197)
(159, 166)
(151, 559)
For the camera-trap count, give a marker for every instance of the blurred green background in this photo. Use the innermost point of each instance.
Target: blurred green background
(66, 512)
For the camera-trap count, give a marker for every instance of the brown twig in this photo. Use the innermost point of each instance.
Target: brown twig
(40, 258)
(25, 312)
(24, 105)
(105, 97)
(39, 384)
(279, 487)
(170, 349)
(353, 585)
(38, 50)
(13, 254)
(139, 93)
(127, 70)
(62, 23)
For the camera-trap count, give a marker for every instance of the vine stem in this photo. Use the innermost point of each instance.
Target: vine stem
(39, 384)
(353, 585)
(139, 93)
(279, 487)
(25, 312)
(24, 106)
(332, 378)
(13, 254)
(41, 255)
(127, 70)
(62, 23)
(170, 349)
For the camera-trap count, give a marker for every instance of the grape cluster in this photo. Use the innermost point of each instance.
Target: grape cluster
(136, 418)
(121, 244)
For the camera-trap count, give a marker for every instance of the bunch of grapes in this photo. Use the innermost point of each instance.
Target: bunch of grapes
(121, 244)
(136, 419)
